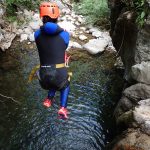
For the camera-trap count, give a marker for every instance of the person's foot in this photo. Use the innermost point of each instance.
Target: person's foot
(47, 102)
(63, 113)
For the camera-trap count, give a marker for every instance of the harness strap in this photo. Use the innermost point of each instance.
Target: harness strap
(56, 65)
(37, 67)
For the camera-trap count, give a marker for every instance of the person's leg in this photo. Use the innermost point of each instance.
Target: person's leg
(64, 96)
(48, 101)
(51, 93)
(63, 102)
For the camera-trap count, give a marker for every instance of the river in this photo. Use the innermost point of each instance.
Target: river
(26, 125)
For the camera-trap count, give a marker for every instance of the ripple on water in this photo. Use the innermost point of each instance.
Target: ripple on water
(40, 128)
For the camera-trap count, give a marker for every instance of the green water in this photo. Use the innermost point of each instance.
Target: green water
(27, 125)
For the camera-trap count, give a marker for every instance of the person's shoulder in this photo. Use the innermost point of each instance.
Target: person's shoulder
(65, 35)
(37, 33)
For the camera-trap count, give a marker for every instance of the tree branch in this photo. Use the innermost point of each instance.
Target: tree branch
(9, 98)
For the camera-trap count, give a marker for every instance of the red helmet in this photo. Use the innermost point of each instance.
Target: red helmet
(49, 9)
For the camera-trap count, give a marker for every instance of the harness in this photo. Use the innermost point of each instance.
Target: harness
(33, 73)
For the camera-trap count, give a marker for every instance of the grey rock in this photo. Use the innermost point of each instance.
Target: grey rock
(95, 46)
(5, 43)
(141, 72)
(137, 92)
(31, 37)
(34, 25)
(132, 139)
(142, 115)
(74, 45)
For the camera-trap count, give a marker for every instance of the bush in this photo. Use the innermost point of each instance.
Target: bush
(94, 10)
(13, 5)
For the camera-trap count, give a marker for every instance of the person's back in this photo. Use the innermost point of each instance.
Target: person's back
(52, 41)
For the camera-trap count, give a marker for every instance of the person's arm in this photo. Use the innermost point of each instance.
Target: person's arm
(37, 33)
(66, 37)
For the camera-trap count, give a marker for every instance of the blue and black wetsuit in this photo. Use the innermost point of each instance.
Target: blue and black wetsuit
(52, 41)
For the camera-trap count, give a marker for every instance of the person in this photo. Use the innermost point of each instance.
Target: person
(52, 41)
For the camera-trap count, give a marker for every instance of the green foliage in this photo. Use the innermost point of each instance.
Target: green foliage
(94, 10)
(142, 9)
(12, 5)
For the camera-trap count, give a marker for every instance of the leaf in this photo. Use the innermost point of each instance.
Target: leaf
(142, 15)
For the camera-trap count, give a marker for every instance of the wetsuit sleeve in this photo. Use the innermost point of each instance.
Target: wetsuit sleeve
(66, 37)
(37, 33)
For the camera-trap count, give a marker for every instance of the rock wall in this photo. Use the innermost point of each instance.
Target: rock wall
(133, 110)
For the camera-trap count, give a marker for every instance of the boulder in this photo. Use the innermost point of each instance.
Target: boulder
(34, 25)
(23, 37)
(141, 72)
(142, 115)
(137, 92)
(74, 45)
(95, 46)
(132, 140)
(82, 37)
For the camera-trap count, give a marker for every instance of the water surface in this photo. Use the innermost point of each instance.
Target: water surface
(95, 88)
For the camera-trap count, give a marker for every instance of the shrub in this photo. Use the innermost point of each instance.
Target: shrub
(94, 10)
(13, 5)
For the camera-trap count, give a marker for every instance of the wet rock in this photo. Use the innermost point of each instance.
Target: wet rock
(82, 37)
(123, 106)
(119, 64)
(95, 46)
(141, 72)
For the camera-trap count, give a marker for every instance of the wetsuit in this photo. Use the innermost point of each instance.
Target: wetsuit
(52, 41)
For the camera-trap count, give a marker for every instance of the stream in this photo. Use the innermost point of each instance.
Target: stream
(26, 125)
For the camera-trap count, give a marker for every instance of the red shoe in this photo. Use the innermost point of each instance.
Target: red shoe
(47, 103)
(63, 113)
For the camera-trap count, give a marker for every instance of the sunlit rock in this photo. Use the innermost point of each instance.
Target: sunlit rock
(82, 37)
(6, 41)
(23, 37)
(70, 27)
(74, 45)
(95, 46)
(34, 25)
(31, 37)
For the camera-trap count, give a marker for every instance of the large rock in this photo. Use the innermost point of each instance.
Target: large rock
(69, 26)
(137, 92)
(6, 39)
(142, 115)
(95, 46)
(141, 72)
(142, 51)
(131, 140)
